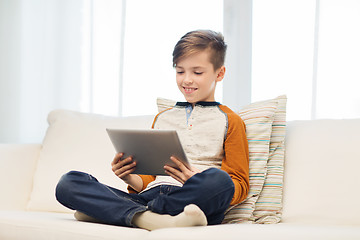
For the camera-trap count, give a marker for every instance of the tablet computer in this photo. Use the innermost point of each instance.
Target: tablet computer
(151, 149)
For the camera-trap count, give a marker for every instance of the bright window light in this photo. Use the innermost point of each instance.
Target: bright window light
(339, 59)
(283, 50)
(102, 23)
(310, 51)
(152, 30)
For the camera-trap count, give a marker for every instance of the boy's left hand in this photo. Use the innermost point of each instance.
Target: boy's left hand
(183, 173)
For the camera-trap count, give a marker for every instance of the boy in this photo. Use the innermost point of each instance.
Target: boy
(213, 138)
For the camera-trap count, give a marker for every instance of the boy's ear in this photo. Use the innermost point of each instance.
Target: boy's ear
(220, 74)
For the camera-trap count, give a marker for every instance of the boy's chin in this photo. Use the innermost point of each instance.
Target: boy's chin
(192, 101)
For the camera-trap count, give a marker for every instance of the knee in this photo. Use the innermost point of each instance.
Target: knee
(217, 178)
(67, 184)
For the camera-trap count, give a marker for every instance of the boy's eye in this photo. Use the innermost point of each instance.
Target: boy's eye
(179, 72)
(198, 73)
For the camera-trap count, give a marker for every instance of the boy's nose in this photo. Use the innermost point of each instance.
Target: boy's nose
(188, 80)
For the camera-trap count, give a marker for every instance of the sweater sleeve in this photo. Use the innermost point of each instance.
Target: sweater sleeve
(236, 157)
(146, 180)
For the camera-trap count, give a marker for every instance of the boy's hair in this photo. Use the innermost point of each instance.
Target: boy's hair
(200, 40)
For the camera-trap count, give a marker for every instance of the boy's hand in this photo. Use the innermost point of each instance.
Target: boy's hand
(183, 173)
(123, 167)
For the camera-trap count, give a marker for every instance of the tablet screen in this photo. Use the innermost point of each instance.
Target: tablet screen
(151, 149)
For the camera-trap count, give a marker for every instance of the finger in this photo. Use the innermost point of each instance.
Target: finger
(118, 169)
(178, 163)
(174, 176)
(125, 161)
(117, 158)
(126, 173)
(126, 168)
(122, 163)
(173, 172)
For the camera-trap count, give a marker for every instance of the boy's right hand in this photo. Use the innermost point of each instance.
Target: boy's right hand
(123, 167)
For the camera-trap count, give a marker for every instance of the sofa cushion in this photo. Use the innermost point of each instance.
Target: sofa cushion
(321, 182)
(44, 226)
(77, 141)
(259, 232)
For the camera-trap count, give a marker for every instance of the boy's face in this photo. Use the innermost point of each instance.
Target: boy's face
(196, 77)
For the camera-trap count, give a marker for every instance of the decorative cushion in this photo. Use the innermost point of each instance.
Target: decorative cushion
(258, 208)
(163, 103)
(268, 207)
(265, 131)
(263, 204)
(77, 141)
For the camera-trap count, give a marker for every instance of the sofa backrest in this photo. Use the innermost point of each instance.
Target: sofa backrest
(17, 167)
(77, 141)
(322, 164)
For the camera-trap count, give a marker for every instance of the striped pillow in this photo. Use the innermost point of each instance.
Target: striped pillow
(258, 118)
(268, 208)
(264, 202)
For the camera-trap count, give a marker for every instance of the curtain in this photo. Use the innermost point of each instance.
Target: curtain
(40, 70)
(47, 62)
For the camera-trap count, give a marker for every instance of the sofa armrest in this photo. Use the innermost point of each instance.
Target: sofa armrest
(17, 167)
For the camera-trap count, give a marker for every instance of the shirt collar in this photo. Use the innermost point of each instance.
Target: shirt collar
(203, 104)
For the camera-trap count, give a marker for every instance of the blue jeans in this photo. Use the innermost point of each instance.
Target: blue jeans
(211, 190)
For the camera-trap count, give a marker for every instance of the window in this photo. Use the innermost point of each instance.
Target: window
(308, 49)
(102, 25)
(151, 32)
(338, 71)
(283, 52)
(128, 51)
(114, 57)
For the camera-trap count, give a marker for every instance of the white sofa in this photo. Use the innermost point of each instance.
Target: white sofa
(321, 184)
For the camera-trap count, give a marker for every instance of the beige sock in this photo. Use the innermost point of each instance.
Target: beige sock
(191, 216)
(85, 218)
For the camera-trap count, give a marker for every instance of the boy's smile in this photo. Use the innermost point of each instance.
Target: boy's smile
(196, 77)
(189, 90)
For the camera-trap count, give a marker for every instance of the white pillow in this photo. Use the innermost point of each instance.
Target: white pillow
(77, 141)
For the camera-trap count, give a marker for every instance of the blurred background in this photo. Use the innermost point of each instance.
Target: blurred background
(114, 57)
